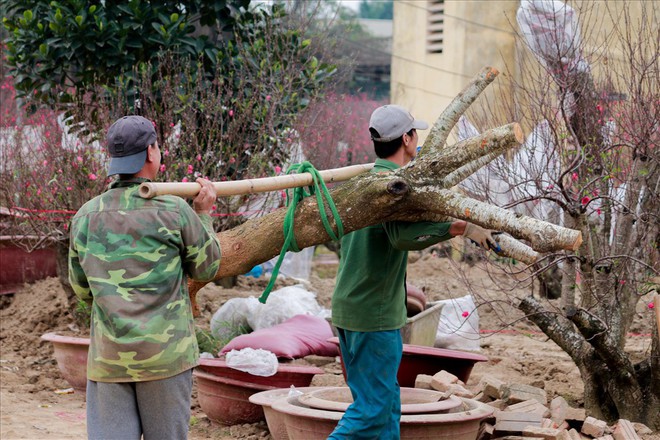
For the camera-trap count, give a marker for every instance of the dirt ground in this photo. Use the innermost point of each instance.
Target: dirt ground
(32, 406)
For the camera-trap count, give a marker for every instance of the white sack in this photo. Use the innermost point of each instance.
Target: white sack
(283, 304)
(455, 331)
(232, 317)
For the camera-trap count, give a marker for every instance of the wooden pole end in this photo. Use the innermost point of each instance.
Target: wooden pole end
(491, 73)
(147, 191)
(518, 133)
(578, 242)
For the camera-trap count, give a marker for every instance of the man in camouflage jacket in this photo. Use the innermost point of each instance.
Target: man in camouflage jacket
(129, 258)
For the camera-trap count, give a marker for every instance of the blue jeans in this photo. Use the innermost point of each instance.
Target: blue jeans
(371, 360)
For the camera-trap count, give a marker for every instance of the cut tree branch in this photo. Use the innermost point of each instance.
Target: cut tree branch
(418, 191)
(450, 116)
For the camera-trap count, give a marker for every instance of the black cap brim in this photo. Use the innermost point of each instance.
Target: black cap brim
(127, 164)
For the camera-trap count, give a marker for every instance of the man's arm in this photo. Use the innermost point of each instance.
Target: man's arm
(77, 276)
(202, 254)
(414, 236)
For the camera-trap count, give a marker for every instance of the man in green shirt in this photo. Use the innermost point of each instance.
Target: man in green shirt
(129, 259)
(369, 301)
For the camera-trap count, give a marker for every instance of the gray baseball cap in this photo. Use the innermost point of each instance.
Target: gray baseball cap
(392, 121)
(127, 140)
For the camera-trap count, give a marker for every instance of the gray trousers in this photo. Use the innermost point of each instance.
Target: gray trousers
(157, 409)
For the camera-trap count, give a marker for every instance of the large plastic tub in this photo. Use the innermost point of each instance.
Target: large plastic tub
(421, 328)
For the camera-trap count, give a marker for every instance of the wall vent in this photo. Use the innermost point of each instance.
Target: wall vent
(435, 38)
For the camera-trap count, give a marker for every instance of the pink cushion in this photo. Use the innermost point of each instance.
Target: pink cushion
(296, 337)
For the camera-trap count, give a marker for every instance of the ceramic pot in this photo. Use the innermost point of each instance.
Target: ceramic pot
(413, 400)
(224, 392)
(419, 359)
(286, 375)
(304, 423)
(226, 401)
(274, 419)
(413, 306)
(71, 356)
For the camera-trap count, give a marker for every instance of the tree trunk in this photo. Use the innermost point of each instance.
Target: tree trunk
(600, 308)
(419, 191)
(416, 192)
(614, 388)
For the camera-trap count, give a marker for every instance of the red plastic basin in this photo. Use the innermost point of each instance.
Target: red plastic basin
(419, 359)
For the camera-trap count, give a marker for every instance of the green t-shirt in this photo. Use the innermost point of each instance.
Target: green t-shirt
(129, 257)
(370, 293)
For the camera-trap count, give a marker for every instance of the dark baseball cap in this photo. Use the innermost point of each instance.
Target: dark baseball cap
(392, 121)
(127, 140)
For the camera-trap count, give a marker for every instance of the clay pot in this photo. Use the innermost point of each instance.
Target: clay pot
(71, 356)
(226, 401)
(224, 392)
(274, 419)
(413, 400)
(417, 293)
(415, 300)
(413, 306)
(419, 359)
(304, 423)
(287, 375)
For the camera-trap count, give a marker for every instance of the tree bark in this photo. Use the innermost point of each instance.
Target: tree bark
(412, 193)
(613, 387)
(416, 192)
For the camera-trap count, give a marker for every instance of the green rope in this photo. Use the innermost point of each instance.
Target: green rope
(317, 188)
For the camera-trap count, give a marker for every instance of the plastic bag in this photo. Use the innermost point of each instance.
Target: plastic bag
(297, 265)
(258, 362)
(551, 29)
(294, 392)
(231, 318)
(458, 328)
(283, 304)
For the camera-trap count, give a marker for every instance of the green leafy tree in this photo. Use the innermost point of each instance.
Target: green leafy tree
(380, 10)
(224, 83)
(99, 61)
(73, 54)
(56, 49)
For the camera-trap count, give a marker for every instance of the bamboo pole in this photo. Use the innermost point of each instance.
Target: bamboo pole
(149, 190)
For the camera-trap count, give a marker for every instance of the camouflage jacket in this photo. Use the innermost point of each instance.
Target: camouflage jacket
(129, 258)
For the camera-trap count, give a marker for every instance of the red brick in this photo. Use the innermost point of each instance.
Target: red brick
(594, 427)
(545, 433)
(624, 430)
(423, 381)
(530, 406)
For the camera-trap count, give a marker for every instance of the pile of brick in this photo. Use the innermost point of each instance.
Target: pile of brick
(523, 412)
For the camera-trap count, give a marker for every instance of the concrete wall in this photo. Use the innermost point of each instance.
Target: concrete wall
(476, 34)
(481, 33)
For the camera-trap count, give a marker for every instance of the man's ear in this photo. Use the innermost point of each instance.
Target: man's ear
(151, 151)
(405, 139)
